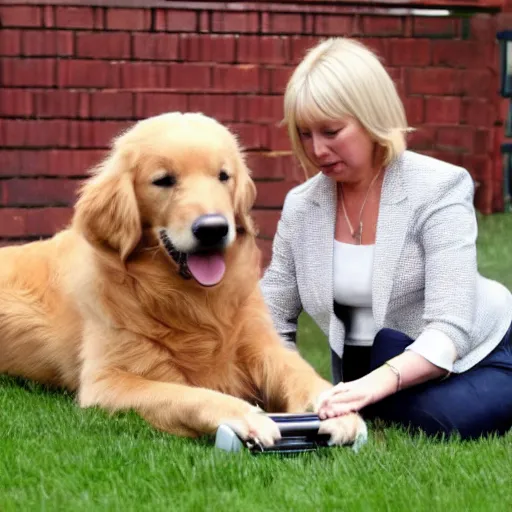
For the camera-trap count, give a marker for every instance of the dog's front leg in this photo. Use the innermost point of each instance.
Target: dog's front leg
(176, 408)
(290, 384)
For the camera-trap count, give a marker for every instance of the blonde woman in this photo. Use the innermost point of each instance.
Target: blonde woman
(378, 246)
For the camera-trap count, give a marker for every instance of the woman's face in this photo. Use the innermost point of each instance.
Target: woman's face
(342, 150)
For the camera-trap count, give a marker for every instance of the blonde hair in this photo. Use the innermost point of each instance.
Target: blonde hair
(341, 78)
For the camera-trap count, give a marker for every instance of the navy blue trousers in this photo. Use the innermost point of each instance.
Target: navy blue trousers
(472, 404)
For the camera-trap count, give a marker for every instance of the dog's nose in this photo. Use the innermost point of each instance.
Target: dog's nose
(210, 229)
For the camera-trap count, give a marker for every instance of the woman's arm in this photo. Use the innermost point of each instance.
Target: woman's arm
(403, 371)
(279, 283)
(447, 229)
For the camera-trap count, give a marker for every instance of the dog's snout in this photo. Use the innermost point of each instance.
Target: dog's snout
(210, 229)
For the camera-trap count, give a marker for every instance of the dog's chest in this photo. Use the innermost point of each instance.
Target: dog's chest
(220, 369)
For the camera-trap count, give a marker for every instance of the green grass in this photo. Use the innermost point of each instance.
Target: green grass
(56, 457)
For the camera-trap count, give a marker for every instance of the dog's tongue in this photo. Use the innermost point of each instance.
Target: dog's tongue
(207, 269)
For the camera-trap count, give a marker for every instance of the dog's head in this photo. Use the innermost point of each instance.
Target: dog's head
(181, 176)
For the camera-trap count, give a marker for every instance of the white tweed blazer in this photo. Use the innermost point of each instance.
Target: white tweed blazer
(425, 281)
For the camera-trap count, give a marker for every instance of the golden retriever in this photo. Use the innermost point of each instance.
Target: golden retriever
(149, 300)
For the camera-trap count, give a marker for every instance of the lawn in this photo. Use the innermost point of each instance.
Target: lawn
(56, 457)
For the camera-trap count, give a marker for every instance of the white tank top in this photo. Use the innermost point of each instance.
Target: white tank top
(352, 274)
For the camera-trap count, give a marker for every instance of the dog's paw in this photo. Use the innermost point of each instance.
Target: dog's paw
(256, 426)
(346, 429)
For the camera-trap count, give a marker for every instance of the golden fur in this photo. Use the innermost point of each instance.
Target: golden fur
(100, 308)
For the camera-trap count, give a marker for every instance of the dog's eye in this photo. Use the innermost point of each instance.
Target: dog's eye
(223, 176)
(165, 181)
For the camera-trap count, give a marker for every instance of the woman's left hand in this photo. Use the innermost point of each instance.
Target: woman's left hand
(346, 397)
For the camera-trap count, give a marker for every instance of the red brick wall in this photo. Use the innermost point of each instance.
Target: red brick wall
(73, 76)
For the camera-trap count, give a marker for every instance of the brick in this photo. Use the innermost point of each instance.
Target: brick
(10, 42)
(190, 77)
(456, 137)
(240, 78)
(478, 83)
(16, 103)
(47, 43)
(207, 48)
(60, 103)
(422, 138)
(235, 22)
(415, 109)
(443, 110)
(271, 194)
(267, 49)
(379, 46)
(265, 247)
(277, 137)
(95, 134)
(12, 222)
(88, 73)
(73, 162)
(382, 25)
(264, 109)
(38, 192)
(220, 106)
(20, 16)
(483, 142)
(128, 19)
(299, 45)
(409, 52)
(450, 156)
(446, 27)
(155, 46)
(333, 25)
(482, 27)
(479, 166)
(74, 17)
(153, 103)
(33, 133)
(460, 54)
(251, 135)
(439, 81)
(44, 162)
(27, 72)
(172, 20)
(48, 16)
(47, 221)
(397, 76)
(274, 80)
(279, 23)
(112, 104)
(308, 23)
(204, 22)
(503, 21)
(476, 112)
(23, 222)
(273, 165)
(266, 222)
(15, 162)
(103, 45)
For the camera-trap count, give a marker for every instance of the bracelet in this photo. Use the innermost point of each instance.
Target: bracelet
(398, 376)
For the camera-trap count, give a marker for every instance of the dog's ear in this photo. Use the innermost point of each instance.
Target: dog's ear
(245, 195)
(107, 212)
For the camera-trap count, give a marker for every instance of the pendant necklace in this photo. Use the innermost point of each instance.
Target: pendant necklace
(357, 235)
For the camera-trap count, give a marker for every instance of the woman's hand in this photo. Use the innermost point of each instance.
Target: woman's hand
(347, 397)
(353, 396)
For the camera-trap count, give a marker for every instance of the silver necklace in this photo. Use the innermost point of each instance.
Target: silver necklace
(357, 236)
